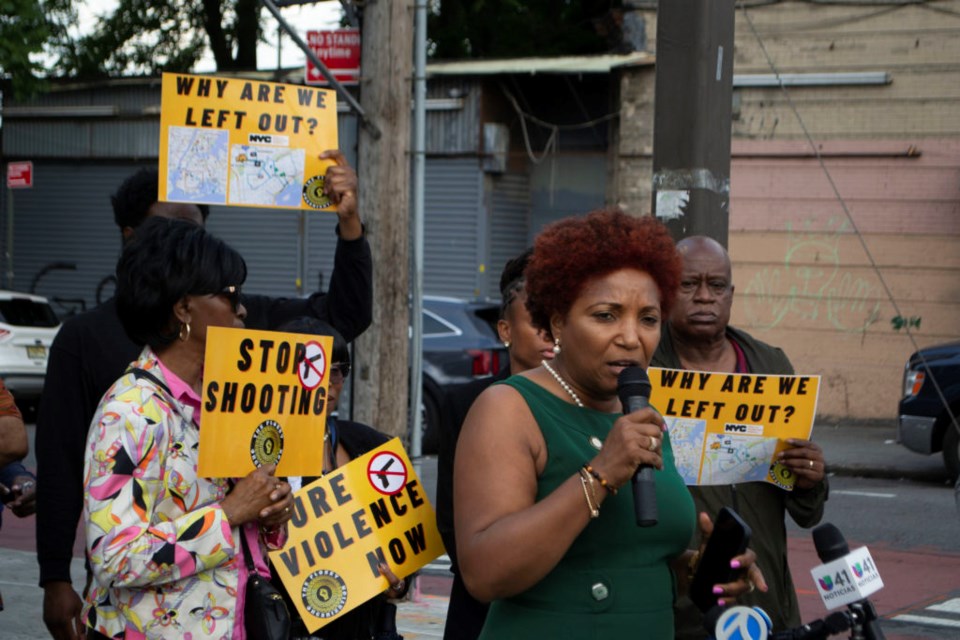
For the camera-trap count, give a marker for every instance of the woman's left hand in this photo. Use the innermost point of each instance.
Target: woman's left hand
(281, 508)
(805, 459)
(749, 578)
(398, 586)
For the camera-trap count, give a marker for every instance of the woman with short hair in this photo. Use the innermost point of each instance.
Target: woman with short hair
(541, 530)
(168, 549)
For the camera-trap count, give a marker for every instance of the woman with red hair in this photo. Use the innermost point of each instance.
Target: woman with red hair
(541, 530)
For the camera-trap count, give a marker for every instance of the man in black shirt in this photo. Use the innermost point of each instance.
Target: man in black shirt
(92, 350)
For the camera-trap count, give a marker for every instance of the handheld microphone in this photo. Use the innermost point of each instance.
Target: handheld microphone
(847, 578)
(633, 388)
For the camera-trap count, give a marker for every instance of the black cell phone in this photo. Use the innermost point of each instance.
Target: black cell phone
(730, 538)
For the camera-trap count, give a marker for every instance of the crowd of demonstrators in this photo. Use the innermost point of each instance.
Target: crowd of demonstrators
(526, 346)
(344, 441)
(541, 446)
(91, 351)
(546, 537)
(168, 548)
(699, 337)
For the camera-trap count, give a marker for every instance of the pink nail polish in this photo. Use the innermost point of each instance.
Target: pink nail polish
(717, 591)
(720, 602)
(734, 564)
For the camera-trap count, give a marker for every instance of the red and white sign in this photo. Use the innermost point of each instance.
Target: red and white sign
(20, 175)
(387, 473)
(313, 365)
(339, 50)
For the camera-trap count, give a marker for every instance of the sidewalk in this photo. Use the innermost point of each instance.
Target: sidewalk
(862, 450)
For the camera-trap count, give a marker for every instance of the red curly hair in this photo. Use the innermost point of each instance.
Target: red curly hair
(570, 252)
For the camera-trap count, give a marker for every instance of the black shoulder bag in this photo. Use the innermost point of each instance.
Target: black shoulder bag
(265, 614)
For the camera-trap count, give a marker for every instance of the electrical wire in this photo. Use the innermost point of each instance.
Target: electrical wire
(843, 204)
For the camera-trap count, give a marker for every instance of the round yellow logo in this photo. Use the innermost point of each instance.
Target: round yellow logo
(266, 446)
(313, 193)
(781, 475)
(324, 593)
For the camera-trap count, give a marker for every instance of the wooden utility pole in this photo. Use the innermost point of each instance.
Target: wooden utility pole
(692, 117)
(382, 352)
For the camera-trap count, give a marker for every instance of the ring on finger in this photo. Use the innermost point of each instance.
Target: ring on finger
(811, 463)
(654, 442)
(286, 509)
(753, 587)
(399, 586)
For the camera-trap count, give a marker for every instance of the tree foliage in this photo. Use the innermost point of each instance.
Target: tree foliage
(26, 28)
(522, 28)
(151, 36)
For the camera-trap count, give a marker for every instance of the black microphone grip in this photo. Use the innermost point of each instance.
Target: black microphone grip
(643, 482)
(633, 389)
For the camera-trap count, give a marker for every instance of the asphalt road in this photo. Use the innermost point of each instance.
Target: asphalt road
(911, 529)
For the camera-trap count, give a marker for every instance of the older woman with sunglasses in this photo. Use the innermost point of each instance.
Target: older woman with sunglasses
(168, 549)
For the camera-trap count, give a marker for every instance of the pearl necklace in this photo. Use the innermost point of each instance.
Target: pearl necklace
(563, 383)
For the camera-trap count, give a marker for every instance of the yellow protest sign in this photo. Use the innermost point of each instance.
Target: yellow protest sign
(233, 141)
(369, 511)
(264, 402)
(727, 428)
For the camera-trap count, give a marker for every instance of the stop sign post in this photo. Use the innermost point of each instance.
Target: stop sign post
(20, 175)
(339, 50)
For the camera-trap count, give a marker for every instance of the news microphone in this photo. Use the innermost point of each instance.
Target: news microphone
(847, 578)
(633, 388)
(835, 623)
(739, 623)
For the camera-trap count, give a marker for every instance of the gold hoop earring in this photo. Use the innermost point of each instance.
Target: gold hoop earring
(184, 337)
(556, 345)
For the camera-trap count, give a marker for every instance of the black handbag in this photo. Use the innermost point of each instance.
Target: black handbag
(265, 614)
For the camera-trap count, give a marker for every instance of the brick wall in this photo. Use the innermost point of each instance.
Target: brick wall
(805, 279)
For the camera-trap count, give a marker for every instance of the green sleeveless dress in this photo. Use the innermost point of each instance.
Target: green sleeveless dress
(615, 580)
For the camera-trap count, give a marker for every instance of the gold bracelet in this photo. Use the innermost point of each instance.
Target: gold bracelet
(594, 511)
(592, 485)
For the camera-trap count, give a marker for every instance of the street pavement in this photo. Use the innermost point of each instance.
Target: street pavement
(867, 450)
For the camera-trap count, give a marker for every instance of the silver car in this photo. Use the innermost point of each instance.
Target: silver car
(28, 325)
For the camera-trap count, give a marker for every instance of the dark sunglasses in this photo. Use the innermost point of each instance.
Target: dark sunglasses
(339, 371)
(232, 293)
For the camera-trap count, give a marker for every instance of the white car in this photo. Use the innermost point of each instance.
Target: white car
(28, 325)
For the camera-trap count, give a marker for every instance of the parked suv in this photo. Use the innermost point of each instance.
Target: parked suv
(924, 425)
(28, 325)
(459, 344)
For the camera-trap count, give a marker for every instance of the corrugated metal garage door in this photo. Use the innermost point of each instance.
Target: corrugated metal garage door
(454, 227)
(67, 218)
(509, 225)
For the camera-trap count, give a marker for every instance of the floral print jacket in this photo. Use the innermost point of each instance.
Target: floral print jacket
(165, 558)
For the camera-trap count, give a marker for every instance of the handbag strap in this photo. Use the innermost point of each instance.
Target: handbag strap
(143, 373)
(247, 556)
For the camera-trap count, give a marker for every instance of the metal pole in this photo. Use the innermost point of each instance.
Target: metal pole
(419, 165)
(692, 117)
(339, 88)
(9, 238)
